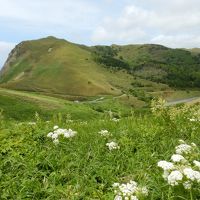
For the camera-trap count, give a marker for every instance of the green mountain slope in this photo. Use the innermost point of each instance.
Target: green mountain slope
(175, 67)
(57, 66)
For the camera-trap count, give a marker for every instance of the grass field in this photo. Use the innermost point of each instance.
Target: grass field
(82, 167)
(21, 105)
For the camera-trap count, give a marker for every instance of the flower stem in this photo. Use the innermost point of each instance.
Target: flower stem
(169, 193)
(191, 195)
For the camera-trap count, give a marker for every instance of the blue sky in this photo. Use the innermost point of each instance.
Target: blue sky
(174, 23)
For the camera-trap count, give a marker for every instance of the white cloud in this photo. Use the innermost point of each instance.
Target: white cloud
(181, 41)
(170, 22)
(125, 29)
(5, 48)
(48, 13)
(174, 23)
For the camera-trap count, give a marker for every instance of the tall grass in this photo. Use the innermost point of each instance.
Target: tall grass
(82, 167)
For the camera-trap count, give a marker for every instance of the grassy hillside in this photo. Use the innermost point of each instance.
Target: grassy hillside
(195, 50)
(22, 106)
(56, 66)
(175, 67)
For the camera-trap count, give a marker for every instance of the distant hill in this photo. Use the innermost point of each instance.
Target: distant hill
(54, 65)
(178, 68)
(195, 50)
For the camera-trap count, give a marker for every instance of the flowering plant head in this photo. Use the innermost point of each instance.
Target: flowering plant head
(182, 169)
(60, 132)
(129, 191)
(112, 145)
(105, 133)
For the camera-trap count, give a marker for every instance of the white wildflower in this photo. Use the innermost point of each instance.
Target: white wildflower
(84, 123)
(54, 136)
(55, 127)
(182, 141)
(69, 133)
(182, 171)
(58, 132)
(193, 144)
(134, 198)
(133, 183)
(69, 120)
(56, 141)
(165, 165)
(115, 184)
(118, 197)
(183, 148)
(196, 163)
(144, 191)
(193, 120)
(129, 190)
(187, 185)
(175, 177)
(177, 158)
(112, 145)
(115, 120)
(192, 174)
(31, 123)
(165, 175)
(104, 133)
(50, 134)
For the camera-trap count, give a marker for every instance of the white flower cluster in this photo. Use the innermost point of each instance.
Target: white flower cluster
(129, 191)
(165, 165)
(197, 163)
(193, 120)
(31, 123)
(182, 169)
(112, 145)
(115, 119)
(183, 148)
(58, 132)
(177, 158)
(105, 133)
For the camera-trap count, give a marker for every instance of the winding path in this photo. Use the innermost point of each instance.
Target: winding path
(187, 100)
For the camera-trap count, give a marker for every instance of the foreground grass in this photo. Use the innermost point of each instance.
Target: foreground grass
(33, 167)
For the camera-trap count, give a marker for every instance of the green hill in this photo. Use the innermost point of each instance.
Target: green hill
(175, 67)
(194, 51)
(56, 66)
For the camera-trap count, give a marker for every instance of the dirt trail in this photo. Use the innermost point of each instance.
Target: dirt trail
(187, 100)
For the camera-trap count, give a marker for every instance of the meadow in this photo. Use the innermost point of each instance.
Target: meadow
(73, 158)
